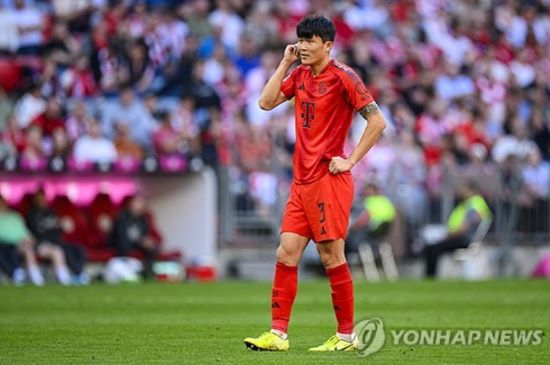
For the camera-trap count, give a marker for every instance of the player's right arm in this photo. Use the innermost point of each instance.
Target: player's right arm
(271, 94)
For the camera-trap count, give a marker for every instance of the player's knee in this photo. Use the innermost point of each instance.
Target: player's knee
(287, 257)
(327, 258)
(330, 258)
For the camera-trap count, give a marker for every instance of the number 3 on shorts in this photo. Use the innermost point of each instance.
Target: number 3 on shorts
(321, 206)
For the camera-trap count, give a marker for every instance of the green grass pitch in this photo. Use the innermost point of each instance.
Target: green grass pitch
(205, 323)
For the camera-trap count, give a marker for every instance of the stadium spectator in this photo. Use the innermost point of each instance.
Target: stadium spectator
(51, 119)
(481, 170)
(28, 107)
(166, 140)
(254, 147)
(517, 144)
(30, 22)
(452, 84)
(536, 179)
(92, 147)
(406, 180)
(15, 234)
(182, 120)
(9, 32)
(229, 22)
(75, 123)
(34, 145)
(132, 112)
(204, 95)
(248, 57)
(78, 80)
(13, 137)
(374, 221)
(45, 226)
(62, 46)
(536, 175)
(138, 72)
(6, 108)
(132, 231)
(214, 67)
(463, 222)
(61, 145)
(125, 146)
(196, 15)
(541, 133)
(211, 138)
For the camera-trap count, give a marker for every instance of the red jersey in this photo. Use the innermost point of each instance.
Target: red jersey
(324, 108)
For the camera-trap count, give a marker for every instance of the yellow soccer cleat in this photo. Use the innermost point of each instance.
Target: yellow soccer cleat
(336, 344)
(268, 341)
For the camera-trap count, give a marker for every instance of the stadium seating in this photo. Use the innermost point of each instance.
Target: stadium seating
(91, 225)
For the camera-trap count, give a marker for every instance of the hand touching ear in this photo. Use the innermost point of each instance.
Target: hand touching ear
(292, 52)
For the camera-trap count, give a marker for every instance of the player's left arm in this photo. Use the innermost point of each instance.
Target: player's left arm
(376, 123)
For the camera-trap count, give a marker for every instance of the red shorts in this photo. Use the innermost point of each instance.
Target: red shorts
(320, 210)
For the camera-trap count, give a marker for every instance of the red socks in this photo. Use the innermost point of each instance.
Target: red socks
(285, 285)
(341, 285)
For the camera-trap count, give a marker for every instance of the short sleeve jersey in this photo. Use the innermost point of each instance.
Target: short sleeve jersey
(324, 109)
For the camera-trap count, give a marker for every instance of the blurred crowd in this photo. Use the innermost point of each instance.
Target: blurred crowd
(38, 231)
(463, 84)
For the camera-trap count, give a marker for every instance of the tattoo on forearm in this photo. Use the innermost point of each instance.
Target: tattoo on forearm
(369, 109)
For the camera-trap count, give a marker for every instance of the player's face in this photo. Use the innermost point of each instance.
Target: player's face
(313, 50)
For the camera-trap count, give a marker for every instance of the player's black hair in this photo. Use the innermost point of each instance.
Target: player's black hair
(316, 25)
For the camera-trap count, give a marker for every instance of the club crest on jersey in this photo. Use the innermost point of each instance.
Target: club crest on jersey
(323, 87)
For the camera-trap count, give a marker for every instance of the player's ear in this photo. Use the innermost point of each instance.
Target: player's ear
(328, 46)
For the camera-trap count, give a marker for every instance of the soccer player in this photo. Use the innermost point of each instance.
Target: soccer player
(326, 95)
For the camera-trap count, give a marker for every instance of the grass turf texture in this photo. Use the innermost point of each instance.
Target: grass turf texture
(205, 323)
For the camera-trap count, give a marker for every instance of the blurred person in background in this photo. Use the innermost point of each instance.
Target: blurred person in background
(52, 117)
(12, 136)
(9, 32)
(34, 145)
(14, 240)
(125, 146)
(61, 145)
(231, 24)
(406, 180)
(45, 226)
(131, 110)
(166, 140)
(93, 147)
(13, 231)
(517, 143)
(30, 21)
(462, 224)
(76, 120)
(62, 46)
(77, 80)
(481, 170)
(139, 73)
(132, 231)
(374, 220)
(6, 108)
(29, 106)
(536, 179)
(183, 122)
